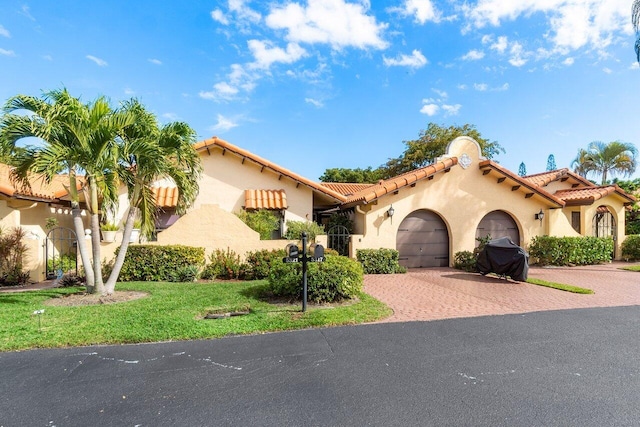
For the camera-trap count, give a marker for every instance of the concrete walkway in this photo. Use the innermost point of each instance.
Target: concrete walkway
(445, 293)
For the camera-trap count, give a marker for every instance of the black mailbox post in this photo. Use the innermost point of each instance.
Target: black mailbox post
(293, 255)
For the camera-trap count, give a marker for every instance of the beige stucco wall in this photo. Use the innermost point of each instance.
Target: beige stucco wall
(461, 197)
(225, 177)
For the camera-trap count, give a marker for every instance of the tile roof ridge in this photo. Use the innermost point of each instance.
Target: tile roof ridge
(225, 145)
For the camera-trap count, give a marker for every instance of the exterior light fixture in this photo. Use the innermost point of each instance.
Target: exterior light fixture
(390, 213)
(540, 216)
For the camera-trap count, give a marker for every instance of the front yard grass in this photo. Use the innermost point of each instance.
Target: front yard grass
(171, 311)
(560, 286)
(632, 268)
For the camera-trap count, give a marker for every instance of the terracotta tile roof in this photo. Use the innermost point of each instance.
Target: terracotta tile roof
(587, 196)
(520, 183)
(39, 191)
(206, 145)
(166, 197)
(265, 199)
(544, 178)
(391, 185)
(345, 188)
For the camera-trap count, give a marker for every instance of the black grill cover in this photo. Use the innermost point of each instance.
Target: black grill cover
(502, 256)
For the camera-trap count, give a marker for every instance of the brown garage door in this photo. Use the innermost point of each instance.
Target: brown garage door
(498, 224)
(423, 241)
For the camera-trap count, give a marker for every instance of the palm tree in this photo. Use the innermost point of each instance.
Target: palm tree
(613, 158)
(150, 152)
(635, 20)
(77, 139)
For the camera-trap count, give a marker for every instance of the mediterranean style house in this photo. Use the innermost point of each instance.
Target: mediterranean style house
(427, 214)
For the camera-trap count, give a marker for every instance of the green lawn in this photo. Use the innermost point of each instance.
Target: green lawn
(632, 268)
(559, 286)
(172, 311)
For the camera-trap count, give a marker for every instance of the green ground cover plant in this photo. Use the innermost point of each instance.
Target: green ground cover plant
(171, 311)
(559, 286)
(632, 268)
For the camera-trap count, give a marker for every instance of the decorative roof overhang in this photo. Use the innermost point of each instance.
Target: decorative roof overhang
(544, 178)
(265, 199)
(392, 185)
(207, 145)
(506, 177)
(588, 196)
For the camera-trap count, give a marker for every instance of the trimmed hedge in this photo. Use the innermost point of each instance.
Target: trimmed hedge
(631, 248)
(335, 279)
(379, 261)
(223, 265)
(546, 250)
(258, 263)
(159, 263)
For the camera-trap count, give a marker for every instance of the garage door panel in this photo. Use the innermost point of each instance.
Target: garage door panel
(498, 224)
(423, 241)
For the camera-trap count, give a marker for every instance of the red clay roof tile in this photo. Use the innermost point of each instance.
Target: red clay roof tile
(265, 199)
(587, 196)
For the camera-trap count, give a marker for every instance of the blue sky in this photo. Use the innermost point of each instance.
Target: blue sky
(317, 84)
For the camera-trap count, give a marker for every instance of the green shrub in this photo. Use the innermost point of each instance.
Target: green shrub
(546, 250)
(159, 263)
(12, 251)
(66, 263)
(466, 260)
(631, 248)
(340, 219)
(263, 221)
(70, 280)
(296, 228)
(223, 265)
(258, 263)
(187, 273)
(379, 261)
(335, 279)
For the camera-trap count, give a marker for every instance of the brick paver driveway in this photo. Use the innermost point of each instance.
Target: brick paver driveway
(444, 293)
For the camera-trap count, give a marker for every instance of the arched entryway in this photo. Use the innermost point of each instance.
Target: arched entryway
(423, 240)
(603, 224)
(498, 224)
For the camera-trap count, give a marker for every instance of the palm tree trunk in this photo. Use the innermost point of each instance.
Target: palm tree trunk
(119, 262)
(95, 236)
(79, 229)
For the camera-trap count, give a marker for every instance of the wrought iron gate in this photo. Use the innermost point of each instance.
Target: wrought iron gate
(60, 252)
(338, 239)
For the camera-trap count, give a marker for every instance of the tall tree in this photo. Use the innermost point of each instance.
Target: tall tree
(111, 148)
(150, 152)
(358, 175)
(635, 20)
(522, 169)
(76, 139)
(613, 158)
(433, 143)
(551, 163)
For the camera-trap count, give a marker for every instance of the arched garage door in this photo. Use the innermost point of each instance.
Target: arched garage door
(423, 241)
(498, 224)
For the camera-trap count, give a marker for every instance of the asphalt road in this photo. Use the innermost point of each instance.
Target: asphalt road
(558, 368)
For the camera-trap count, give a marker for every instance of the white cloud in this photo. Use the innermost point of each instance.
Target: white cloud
(7, 52)
(517, 55)
(568, 61)
(571, 24)
(607, 70)
(473, 55)
(224, 124)
(243, 11)
(155, 61)
(333, 22)
(314, 102)
(451, 110)
(266, 54)
(47, 58)
(4, 32)
(98, 61)
(415, 60)
(430, 109)
(171, 116)
(128, 91)
(480, 87)
(27, 12)
(421, 10)
(500, 45)
(238, 81)
(441, 93)
(218, 15)
(634, 66)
